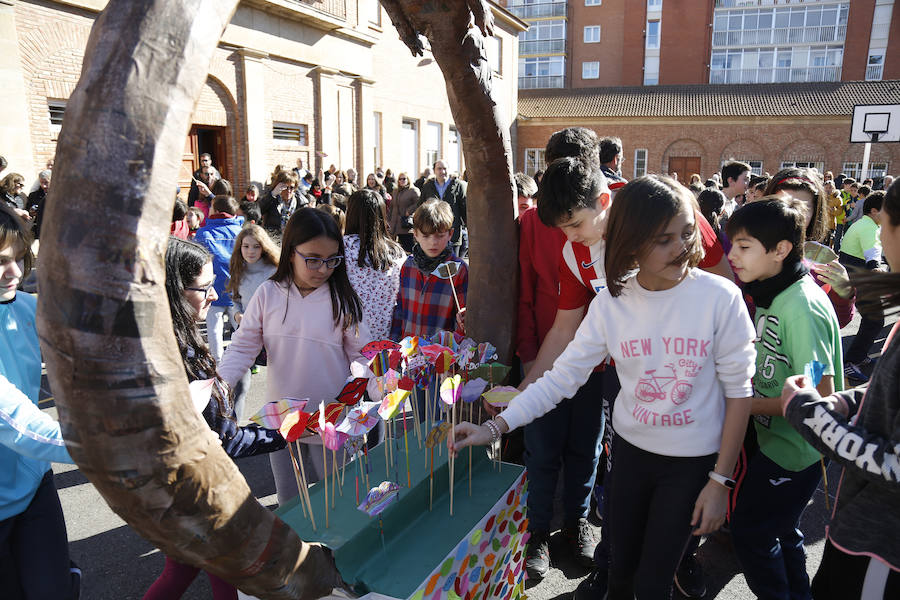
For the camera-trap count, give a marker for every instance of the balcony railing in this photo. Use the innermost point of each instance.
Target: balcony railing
(529, 47)
(779, 35)
(537, 11)
(542, 81)
(775, 75)
(335, 8)
(753, 3)
(874, 72)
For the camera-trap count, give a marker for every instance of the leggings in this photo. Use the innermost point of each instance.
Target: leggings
(177, 577)
(650, 509)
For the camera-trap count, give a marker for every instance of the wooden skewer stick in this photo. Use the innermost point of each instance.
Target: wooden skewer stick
(450, 456)
(304, 488)
(325, 481)
(297, 479)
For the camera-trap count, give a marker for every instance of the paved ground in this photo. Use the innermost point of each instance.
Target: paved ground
(119, 565)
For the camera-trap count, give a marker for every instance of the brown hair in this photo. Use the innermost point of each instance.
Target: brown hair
(238, 265)
(285, 177)
(797, 179)
(8, 184)
(433, 216)
(643, 208)
(12, 232)
(336, 213)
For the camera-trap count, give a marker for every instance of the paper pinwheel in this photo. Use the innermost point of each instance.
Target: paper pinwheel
(391, 404)
(486, 353)
(493, 372)
(379, 498)
(272, 414)
(373, 348)
(331, 438)
(332, 413)
(472, 389)
(500, 396)
(437, 435)
(447, 338)
(406, 383)
(444, 361)
(450, 390)
(384, 361)
(293, 425)
(814, 371)
(408, 346)
(423, 376)
(359, 419)
(446, 270)
(353, 391)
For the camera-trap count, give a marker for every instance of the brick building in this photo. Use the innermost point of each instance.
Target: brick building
(326, 81)
(661, 74)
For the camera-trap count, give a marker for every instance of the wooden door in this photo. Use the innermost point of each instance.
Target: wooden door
(190, 162)
(684, 166)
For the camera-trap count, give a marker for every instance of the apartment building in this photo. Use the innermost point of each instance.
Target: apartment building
(325, 81)
(693, 52)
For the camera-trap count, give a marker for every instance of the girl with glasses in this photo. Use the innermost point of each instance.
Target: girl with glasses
(310, 322)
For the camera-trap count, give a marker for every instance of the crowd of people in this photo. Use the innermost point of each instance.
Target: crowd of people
(691, 333)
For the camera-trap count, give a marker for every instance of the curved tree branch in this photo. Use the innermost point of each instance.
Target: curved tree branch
(104, 319)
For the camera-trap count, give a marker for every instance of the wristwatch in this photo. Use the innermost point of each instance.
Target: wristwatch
(722, 480)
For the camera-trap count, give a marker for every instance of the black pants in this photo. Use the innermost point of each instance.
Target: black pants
(844, 576)
(34, 549)
(650, 508)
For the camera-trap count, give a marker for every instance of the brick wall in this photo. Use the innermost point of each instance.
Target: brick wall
(290, 98)
(772, 142)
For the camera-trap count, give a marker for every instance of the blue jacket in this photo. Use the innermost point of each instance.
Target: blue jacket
(218, 235)
(29, 438)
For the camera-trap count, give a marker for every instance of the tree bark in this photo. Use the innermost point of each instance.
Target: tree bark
(458, 49)
(104, 320)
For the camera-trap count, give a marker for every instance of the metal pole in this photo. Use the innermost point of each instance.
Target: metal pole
(865, 164)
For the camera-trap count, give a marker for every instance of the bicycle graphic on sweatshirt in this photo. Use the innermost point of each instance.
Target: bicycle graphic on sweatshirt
(651, 387)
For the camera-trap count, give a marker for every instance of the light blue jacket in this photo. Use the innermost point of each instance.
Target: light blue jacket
(29, 438)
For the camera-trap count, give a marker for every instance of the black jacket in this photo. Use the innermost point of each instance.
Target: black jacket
(455, 196)
(240, 441)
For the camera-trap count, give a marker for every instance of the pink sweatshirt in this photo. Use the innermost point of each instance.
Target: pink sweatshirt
(308, 357)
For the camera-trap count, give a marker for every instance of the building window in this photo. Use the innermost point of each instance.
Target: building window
(876, 170)
(494, 48)
(542, 72)
(56, 109)
(591, 34)
(590, 70)
(375, 13)
(801, 164)
(652, 35)
(755, 165)
(534, 160)
(875, 66)
(654, 4)
(543, 37)
(454, 150)
(640, 162)
(432, 143)
(776, 65)
(593, 2)
(293, 134)
(651, 70)
(409, 147)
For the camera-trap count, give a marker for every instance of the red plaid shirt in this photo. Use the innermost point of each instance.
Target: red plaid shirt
(425, 302)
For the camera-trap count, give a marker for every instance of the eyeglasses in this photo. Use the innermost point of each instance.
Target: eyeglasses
(315, 263)
(206, 290)
(402, 179)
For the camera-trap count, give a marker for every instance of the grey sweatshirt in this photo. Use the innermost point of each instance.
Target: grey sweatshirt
(254, 276)
(866, 518)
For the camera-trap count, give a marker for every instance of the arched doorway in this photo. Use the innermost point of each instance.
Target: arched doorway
(213, 127)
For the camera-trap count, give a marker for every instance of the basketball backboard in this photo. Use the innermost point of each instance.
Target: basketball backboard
(875, 123)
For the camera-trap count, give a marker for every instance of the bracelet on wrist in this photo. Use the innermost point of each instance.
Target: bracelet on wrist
(722, 480)
(494, 429)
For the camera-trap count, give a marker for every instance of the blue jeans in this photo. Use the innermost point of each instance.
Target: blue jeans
(566, 439)
(765, 528)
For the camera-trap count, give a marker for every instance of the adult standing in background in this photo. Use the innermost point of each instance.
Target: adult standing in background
(11, 187)
(406, 199)
(451, 190)
(36, 201)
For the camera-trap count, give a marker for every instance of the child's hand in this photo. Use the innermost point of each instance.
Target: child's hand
(461, 319)
(467, 434)
(278, 189)
(238, 317)
(709, 509)
(792, 385)
(835, 275)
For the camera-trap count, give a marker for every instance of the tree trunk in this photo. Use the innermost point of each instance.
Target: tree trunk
(459, 51)
(104, 320)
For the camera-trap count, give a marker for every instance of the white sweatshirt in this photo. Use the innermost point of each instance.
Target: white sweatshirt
(679, 353)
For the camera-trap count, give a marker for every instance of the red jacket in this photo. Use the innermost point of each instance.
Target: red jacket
(540, 248)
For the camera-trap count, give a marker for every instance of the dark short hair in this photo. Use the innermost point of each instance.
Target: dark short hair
(251, 211)
(873, 201)
(610, 148)
(206, 155)
(180, 210)
(222, 187)
(568, 185)
(579, 142)
(771, 220)
(225, 204)
(433, 216)
(865, 190)
(711, 200)
(848, 181)
(733, 169)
